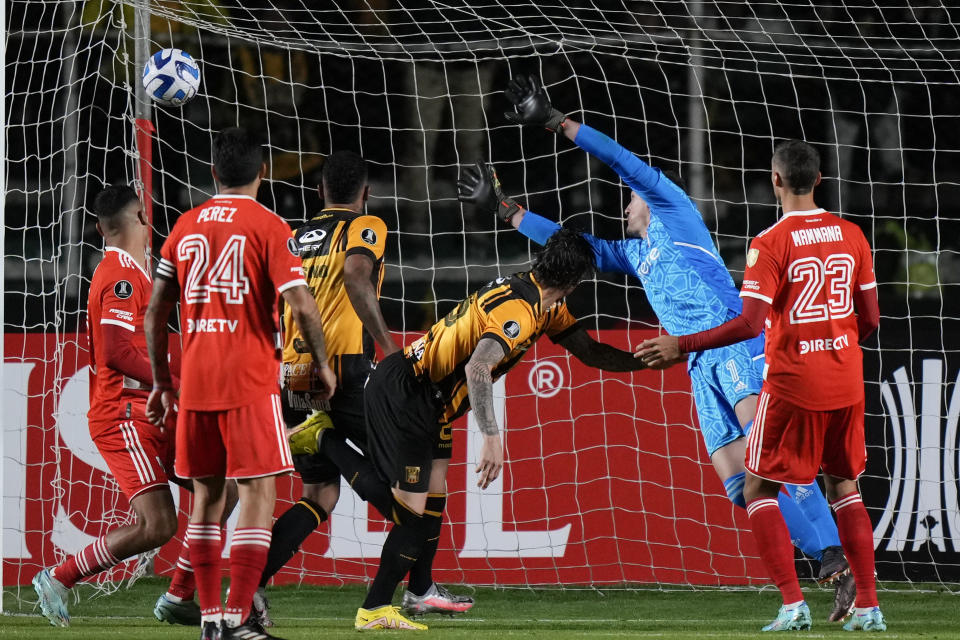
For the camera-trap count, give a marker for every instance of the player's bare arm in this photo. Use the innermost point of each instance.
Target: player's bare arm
(162, 302)
(599, 355)
(357, 272)
(305, 313)
(479, 371)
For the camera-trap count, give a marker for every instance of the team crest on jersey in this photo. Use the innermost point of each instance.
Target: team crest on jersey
(752, 256)
(293, 247)
(511, 329)
(369, 236)
(413, 475)
(123, 289)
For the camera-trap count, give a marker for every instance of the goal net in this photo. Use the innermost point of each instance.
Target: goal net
(607, 481)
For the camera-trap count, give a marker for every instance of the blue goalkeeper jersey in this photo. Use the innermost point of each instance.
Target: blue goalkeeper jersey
(685, 279)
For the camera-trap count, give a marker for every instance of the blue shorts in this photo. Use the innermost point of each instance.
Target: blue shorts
(720, 379)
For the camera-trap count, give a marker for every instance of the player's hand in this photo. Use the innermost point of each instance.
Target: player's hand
(161, 406)
(479, 185)
(532, 105)
(661, 352)
(491, 461)
(326, 382)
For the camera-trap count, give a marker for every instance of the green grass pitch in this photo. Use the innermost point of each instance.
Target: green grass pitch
(327, 612)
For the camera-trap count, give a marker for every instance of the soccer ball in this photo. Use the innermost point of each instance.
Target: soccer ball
(171, 77)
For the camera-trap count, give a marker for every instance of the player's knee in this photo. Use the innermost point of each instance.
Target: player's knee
(157, 529)
(734, 488)
(324, 494)
(406, 517)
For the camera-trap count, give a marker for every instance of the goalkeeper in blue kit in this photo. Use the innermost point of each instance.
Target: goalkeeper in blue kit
(671, 252)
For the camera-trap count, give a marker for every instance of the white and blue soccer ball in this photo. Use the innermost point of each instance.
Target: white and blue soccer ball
(171, 77)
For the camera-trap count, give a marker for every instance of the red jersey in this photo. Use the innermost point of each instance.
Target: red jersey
(806, 266)
(232, 257)
(119, 293)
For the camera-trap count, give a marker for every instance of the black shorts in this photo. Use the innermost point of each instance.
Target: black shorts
(403, 424)
(346, 412)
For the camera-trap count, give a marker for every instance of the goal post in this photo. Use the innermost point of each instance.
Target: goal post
(607, 481)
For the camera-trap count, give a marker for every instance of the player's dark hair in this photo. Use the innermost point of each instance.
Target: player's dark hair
(344, 175)
(565, 261)
(237, 157)
(109, 203)
(799, 164)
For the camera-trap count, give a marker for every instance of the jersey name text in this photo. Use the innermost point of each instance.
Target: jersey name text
(803, 237)
(216, 214)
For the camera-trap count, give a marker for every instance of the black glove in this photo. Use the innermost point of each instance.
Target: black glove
(532, 104)
(479, 186)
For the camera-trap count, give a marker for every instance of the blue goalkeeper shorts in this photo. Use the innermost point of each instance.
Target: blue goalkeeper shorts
(720, 379)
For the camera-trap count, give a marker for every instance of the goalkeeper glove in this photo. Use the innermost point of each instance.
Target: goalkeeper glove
(532, 104)
(480, 186)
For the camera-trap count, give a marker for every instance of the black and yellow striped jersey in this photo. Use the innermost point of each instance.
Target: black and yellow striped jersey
(324, 243)
(507, 310)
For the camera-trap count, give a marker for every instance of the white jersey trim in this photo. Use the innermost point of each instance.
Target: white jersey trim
(127, 260)
(291, 284)
(228, 196)
(869, 285)
(791, 214)
(804, 213)
(696, 246)
(759, 296)
(119, 323)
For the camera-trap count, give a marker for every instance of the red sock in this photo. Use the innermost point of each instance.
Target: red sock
(856, 536)
(248, 557)
(773, 542)
(91, 561)
(183, 583)
(205, 551)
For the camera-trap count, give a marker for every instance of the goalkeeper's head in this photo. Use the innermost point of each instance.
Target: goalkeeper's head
(120, 214)
(237, 158)
(565, 261)
(796, 168)
(344, 180)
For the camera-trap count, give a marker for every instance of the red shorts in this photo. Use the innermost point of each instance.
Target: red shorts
(245, 442)
(790, 444)
(139, 455)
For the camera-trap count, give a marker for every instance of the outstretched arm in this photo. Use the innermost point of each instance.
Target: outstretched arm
(599, 355)
(479, 185)
(661, 351)
(532, 106)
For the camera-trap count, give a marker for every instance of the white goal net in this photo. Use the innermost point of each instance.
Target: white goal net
(607, 481)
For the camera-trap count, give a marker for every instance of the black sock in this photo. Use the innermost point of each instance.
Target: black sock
(421, 574)
(404, 544)
(359, 473)
(289, 532)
